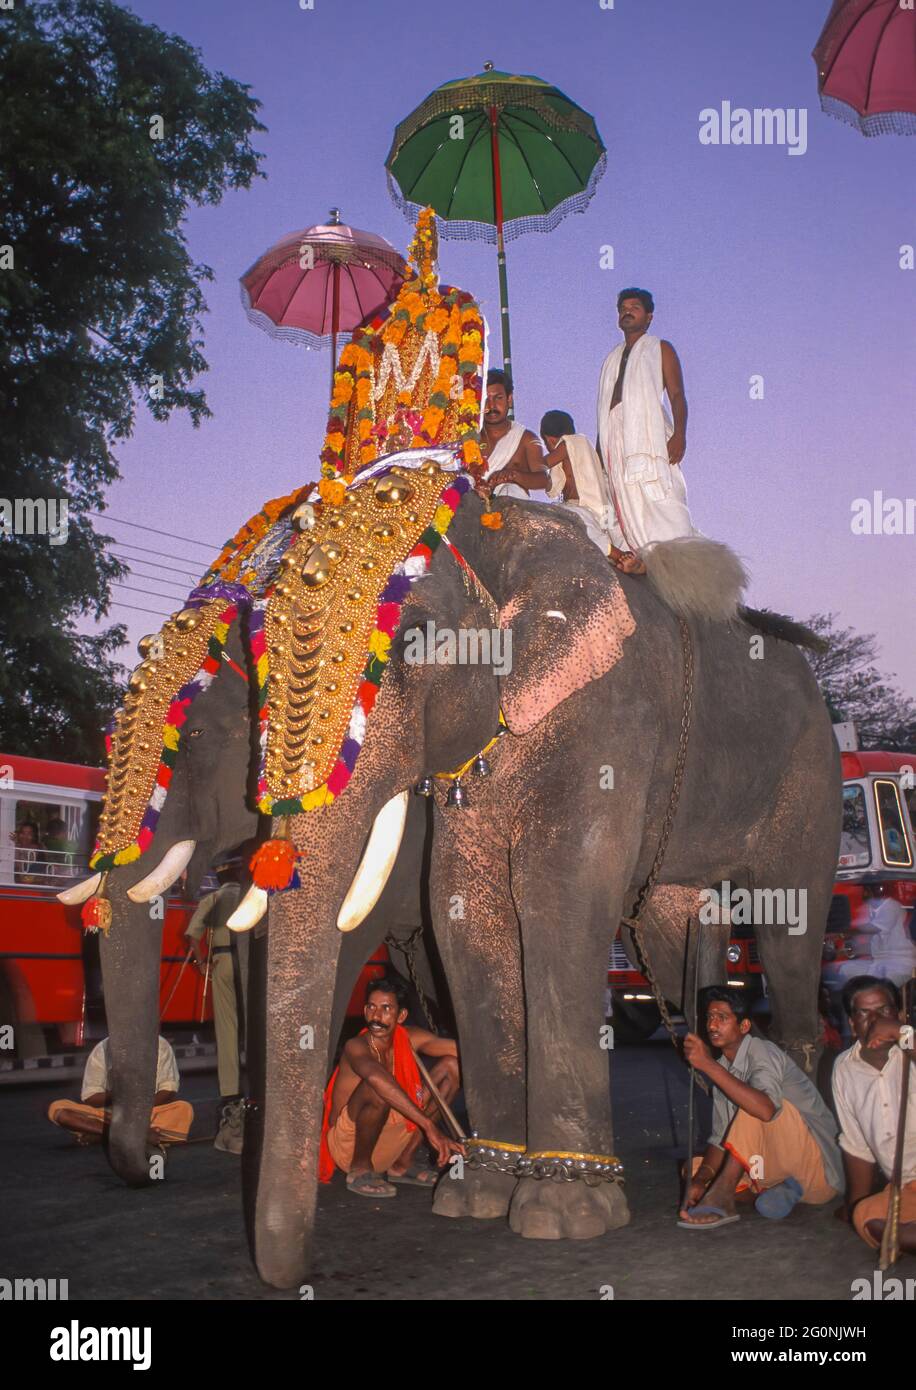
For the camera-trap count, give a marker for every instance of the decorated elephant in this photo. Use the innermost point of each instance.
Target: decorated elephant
(638, 745)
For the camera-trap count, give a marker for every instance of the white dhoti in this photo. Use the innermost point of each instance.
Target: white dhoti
(593, 504)
(501, 457)
(643, 512)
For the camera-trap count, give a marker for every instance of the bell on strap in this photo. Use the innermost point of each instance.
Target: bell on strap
(481, 766)
(457, 796)
(424, 787)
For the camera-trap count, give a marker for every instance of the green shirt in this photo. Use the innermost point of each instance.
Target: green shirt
(214, 912)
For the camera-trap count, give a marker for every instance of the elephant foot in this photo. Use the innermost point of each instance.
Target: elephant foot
(479, 1193)
(543, 1209)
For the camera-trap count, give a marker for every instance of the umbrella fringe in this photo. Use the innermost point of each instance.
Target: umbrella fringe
(303, 337)
(878, 123)
(460, 230)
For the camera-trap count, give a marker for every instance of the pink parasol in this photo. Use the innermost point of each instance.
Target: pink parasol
(866, 65)
(319, 283)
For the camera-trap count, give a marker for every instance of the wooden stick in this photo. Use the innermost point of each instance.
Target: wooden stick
(437, 1096)
(203, 998)
(176, 984)
(688, 1176)
(889, 1252)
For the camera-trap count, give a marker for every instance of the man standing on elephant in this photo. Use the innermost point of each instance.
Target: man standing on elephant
(770, 1126)
(376, 1108)
(515, 463)
(641, 445)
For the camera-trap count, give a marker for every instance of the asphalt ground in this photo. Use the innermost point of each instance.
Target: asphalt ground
(68, 1217)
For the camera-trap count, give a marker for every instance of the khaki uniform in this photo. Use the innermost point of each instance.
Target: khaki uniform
(228, 978)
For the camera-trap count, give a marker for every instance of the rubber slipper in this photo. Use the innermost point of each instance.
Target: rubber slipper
(776, 1202)
(412, 1176)
(361, 1182)
(725, 1220)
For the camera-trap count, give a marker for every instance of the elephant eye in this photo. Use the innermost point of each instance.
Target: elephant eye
(195, 733)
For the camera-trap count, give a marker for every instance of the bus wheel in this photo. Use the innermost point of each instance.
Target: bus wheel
(634, 1021)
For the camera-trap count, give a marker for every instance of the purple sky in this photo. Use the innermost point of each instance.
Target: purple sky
(760, 262)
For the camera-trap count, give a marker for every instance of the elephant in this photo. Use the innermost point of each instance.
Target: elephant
(529, 878)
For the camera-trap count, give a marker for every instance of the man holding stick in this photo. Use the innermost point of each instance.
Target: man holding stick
(377, 1109)
(867, 1087)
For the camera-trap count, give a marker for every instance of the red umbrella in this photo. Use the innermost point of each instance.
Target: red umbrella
(318, 283)
(866, 65)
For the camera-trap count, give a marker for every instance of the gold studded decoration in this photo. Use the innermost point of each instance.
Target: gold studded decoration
(321, 623)
(143, 746)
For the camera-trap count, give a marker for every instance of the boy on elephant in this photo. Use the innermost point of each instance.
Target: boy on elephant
(377, 1109)
(771, 1128)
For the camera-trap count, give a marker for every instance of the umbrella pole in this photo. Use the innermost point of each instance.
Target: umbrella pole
(500, 245)
(335, 320)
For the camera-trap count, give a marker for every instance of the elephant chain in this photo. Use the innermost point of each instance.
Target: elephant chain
(408, 949)
(645, 893)
(515, 1162)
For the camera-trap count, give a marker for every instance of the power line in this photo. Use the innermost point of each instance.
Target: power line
(149, 593)
(157, 579)
(186, 540)
(163, 554)
(116, 603)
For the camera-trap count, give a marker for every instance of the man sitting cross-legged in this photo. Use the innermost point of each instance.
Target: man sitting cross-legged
(770, 1125)
(377, 1109)
(867, 1082)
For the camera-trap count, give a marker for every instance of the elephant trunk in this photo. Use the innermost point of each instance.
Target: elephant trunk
(287, 1119)
(130, 972)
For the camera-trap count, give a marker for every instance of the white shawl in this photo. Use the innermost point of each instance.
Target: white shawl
(647, 426)
(504, 449)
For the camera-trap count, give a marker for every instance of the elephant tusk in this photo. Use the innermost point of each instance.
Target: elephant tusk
(376, 864)
(249, 911)
(80, 891)
(164, 875)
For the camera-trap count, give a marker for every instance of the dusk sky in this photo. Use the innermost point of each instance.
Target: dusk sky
(761, 263)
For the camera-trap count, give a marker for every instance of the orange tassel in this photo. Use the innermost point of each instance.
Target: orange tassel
(273, 865)
(492, 520)
(96, 911)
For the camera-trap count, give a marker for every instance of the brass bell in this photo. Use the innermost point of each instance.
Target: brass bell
(304, 516)
(317, 568)
(481, 766)
(457, 796)
(392, 490)
(424, 787)
(188, 619)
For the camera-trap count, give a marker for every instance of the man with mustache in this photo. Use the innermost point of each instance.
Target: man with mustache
(377, 1109)
(866, 1091)
(641, 445)
(513, 454)
(771, 1129)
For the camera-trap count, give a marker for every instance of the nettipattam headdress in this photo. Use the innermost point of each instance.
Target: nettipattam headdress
(322, 575)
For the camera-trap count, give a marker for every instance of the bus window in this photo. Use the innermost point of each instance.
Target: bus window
(51, 841)
(855, 848)
(894, 847)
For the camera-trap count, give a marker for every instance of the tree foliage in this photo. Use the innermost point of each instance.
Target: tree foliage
(856, 690)
(100, 308)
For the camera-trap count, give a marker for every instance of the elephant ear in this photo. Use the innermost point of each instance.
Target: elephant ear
(568, 613)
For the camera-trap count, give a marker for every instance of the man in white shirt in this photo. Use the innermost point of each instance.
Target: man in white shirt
(88, 1120)
(866, 1092)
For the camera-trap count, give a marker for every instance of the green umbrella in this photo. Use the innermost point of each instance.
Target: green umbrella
(496, 156)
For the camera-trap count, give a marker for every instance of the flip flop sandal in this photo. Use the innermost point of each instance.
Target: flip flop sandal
(776, 1202)
(725, 1219)
(361, 1182)
(412, 1177)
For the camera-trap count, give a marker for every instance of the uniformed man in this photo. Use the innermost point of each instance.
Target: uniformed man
(228, 955)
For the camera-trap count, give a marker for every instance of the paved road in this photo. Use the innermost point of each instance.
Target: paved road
(67, 1216)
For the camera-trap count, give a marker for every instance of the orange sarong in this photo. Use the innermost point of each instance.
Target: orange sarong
(406, 1074)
